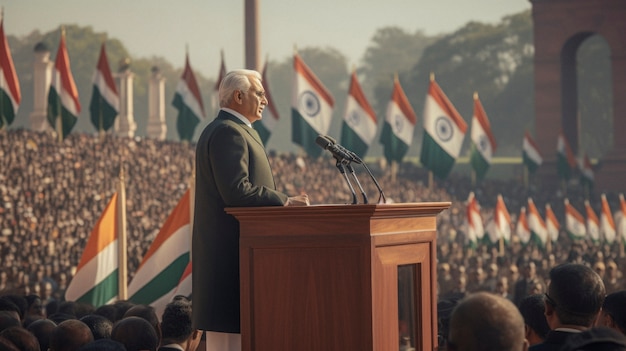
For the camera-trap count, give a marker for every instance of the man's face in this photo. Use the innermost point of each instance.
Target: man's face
(253, 101)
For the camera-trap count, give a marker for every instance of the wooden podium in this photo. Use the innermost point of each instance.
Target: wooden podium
(339, 277)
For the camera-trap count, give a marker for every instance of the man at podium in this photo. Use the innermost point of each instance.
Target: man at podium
(232, 170)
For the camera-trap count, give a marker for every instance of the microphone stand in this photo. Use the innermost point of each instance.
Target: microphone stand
(381, 195)
(351, 170)
(342, 170)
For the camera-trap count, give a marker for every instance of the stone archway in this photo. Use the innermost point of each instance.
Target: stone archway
(560, 26)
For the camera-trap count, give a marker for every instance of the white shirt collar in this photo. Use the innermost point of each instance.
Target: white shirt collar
(174, 346)
(238, 115)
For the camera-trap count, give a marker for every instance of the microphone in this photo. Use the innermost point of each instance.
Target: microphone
(338, 151)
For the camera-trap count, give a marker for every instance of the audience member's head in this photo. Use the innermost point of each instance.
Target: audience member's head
(42, 329)
(35, 306)
(103, 345)
(122, 306)
(532, 309)
(9, 319)
(20, 302)
(108, 311)
(444, 311)
(613, 313)
(136, 334)
(22, 338)
(100, 326)
(575, 296)
(596, 339)
(485, 322)
(69, 335)
(146, 312)
(59, 317)
(6, 305)
(176, 327)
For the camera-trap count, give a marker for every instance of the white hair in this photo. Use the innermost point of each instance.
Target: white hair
(236, 80)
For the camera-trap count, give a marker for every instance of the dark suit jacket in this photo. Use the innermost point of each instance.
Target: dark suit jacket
(554, 341)
(232, 170)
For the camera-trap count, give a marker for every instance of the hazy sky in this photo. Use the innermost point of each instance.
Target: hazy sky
(164, 28)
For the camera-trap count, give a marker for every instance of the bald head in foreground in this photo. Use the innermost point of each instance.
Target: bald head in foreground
(486, 322)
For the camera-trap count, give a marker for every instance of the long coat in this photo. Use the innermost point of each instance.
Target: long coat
(232, 170)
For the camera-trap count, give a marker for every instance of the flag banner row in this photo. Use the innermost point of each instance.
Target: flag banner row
(608, 228)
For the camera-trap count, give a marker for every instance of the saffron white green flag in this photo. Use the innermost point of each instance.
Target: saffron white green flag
(483, 141)
(593, 224)
(400, 120)
(444, 131)
(215, 104)
(163, 265)
(530, 154)
(10, 95)
(96, 279)
(536, 224)
(475, 229)
(500, 226)
(586, 172)
(521, 229)
(311, 108)
(552, 224)
(188, 102)
(359, 122)
(621, 229)
(105, 101)
(184, 285)
(63, 104)
(266, 125)
(607, 224)
(565, 160)
(574, 222)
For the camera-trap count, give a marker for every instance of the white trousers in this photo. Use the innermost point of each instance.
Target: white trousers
(222, 341)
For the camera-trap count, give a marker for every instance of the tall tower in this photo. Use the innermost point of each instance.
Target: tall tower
(252, 34)
(125, 125)
(42, 76)
(157, 129)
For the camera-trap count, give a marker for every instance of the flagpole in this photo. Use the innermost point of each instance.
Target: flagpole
(121, 240)
(192, 205)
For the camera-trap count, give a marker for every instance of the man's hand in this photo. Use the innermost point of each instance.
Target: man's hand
(299, 200)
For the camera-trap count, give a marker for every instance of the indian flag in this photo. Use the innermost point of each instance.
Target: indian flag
(311, 108)
(574, 222)
(266, 125)
(501, 222)
(400, 120)
(215, 103)
(530, 153)
(607, 224)
(96, 278)
(63, 104)
(105, 101)
(536, 224)
(475, 230)
(184, 284)
(483, 141)
(359, 122)
(444, 130)
(163, 265)
(188, 102)
(552, 224)
(586, 172)
(521, 229)
(10, 95)
(593, 224)
(565, 160)
(622, 219)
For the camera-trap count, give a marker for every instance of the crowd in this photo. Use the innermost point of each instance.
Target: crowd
(52, 193)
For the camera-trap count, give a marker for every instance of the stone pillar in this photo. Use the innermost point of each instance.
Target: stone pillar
(157, 129)
(42, 76)
(125, 125)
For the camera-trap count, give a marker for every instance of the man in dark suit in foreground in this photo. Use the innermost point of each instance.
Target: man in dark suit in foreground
(232, 170)
(572, 303)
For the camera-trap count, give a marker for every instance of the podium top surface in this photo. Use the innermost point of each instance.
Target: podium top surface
(393, 210)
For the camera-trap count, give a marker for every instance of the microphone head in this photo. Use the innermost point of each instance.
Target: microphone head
(332, 141)
(323, 142)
